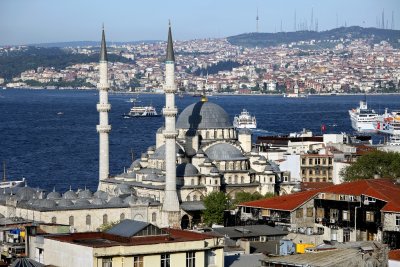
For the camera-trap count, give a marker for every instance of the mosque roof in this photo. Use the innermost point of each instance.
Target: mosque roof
(65, 203)
(53, 195)
(98, 201)
(85, 194)
(160, 152)
(82, 202)
(224, 151)
(186, 169)
(70, 195)
(25, 193)
(203, 115)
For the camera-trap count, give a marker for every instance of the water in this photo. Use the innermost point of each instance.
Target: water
(60, 151)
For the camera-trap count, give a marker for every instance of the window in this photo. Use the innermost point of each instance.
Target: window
(334, 214)
(190, 259)
(310, 212)
(138, 261)
(346, 215)
(303, 171)
(346, 235)
(188, 198)
(122, 216)
(71, 220)
(369, 216)
(242, 180)
(54, 220)
(105, 219)
(88, 220)
(303, 161)
(194, 198)
(309, 161)
(398, 220)
(154, 216)
(106, 262)
(236, 179)
(216, 182)
(192, 182)
(299, 213)
(165, 260)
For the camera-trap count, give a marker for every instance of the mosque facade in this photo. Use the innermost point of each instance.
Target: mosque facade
(197, 153)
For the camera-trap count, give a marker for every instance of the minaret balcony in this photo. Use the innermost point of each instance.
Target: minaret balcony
(103, 128)
(103, 86)
(169, 89)
(170, 112)
(103, 107)
(170, 134)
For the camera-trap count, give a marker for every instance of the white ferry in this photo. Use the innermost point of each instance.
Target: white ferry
(142, 111)
(388, 123)
(245, 120)
(362, 118)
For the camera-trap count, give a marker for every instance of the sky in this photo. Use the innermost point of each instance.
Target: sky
(44, 21)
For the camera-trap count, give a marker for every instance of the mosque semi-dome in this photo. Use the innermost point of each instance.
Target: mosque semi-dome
(224, 151)
(203, 115)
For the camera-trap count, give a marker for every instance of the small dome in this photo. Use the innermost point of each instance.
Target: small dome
(85, 194)
(65, 203)
(46, 203)
(186, 169)
(224, 151)
(135, 163)
(25, 193)
(54, 195)
(151, 148)
(207, 160)
(143, 201)
(160, 152)
(98, 201)
(144, 155)
(203, 115)
(101, 194)
(69, 195)
(82, 202)
(132, 199)
(115, 201)
(214, 170)
(122, 189)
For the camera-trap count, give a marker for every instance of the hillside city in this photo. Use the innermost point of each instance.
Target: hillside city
(325, 66)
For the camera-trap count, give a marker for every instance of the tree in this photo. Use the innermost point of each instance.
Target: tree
(384, 164)
(241, 197)
(215, 203)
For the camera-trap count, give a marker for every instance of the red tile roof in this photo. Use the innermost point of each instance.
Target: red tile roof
(382, 189)
(394, 255)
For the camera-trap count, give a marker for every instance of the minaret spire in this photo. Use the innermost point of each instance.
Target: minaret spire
(171, 202)
(103, 107)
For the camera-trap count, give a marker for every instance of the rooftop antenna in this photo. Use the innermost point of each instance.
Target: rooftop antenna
(4, 171)
(337, 20)
(281, 26)
(257, 19)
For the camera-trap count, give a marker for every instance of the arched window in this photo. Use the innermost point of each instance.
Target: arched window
(229, 180)
(71, 220)
(192, 182)
(105, 219)
(122, 216)
(188, 198)
(207, 135)
(242, 180)
(201, 197)
(54, 220)
(88, 220)
(154, 217)
(236, 179)
(194, 198)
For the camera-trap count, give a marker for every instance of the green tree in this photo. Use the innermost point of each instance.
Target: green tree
(241, 197)
(384, 164)
(215, 203)
(107, 226)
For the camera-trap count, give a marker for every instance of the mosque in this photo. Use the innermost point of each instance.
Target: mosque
(198, 153)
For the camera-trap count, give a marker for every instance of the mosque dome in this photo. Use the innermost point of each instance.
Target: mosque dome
(53, 195)
(82, 202)
(101, 194)
(46, 203)
(122, 189)
(186, 169)
(160, 152)
(98, 201)
(65, 203)
(69, 195)
(131, 199)
(25, 193)
(224, 151)
(115, 201)
(203, 115)
(214, 170)
(85, 194)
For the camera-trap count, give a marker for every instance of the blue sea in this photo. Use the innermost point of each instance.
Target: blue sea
(54, 150)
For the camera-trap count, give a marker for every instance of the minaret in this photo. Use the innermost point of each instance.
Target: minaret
(103, 107)
(171, 202)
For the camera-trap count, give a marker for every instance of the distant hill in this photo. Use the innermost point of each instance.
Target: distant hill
(89, 43)
(354, 32)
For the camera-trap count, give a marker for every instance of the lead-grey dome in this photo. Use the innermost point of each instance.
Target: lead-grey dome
(25, 193)
(101, 194)
(186, 169)
(85, 194)
(69, 195)
(160, 152)
(82, 202)
(115, 201)
(203, 115)
(46, 203)
(54, 195)
(224, 151)
(98, 201)
(65, 203)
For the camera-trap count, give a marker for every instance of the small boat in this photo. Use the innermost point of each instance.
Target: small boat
(60, 113)
(245, 120)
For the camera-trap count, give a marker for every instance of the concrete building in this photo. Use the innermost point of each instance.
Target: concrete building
(316, 167)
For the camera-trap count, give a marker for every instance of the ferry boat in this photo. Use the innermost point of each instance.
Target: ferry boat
(142, 111)
(388, 123)
(362, 118)
(245, 120)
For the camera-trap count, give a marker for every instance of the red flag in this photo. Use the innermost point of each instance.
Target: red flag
(323, 128)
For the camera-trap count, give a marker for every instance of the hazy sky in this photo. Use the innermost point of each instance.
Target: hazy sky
(40, 21)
